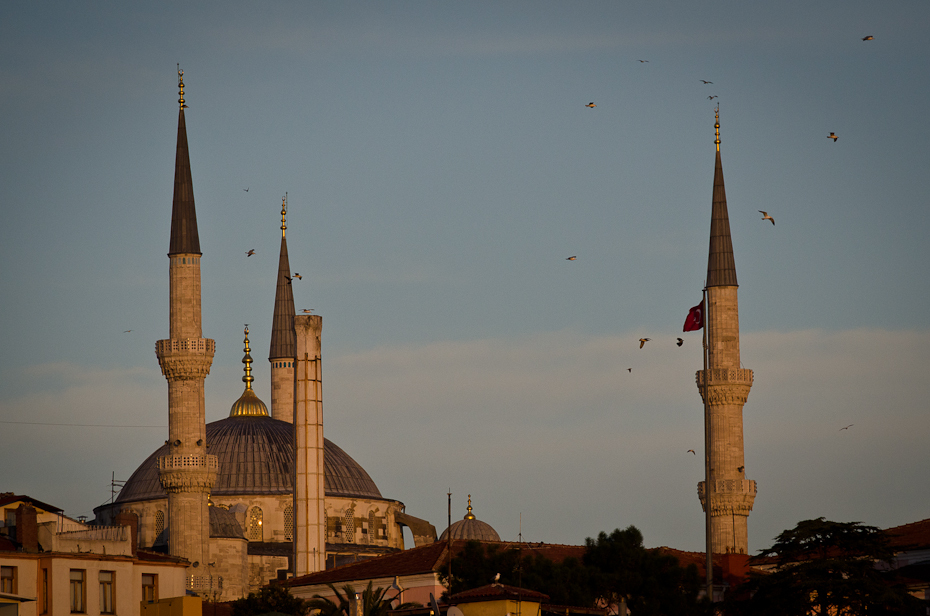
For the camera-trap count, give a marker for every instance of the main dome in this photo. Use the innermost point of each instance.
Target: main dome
(255, 456)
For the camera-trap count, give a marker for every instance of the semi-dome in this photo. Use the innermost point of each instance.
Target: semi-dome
(255, 456)
(471, 528)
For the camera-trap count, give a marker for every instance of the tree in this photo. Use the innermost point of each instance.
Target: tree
(824, 568)
(373, 602)
(648, 582)
(272, 598)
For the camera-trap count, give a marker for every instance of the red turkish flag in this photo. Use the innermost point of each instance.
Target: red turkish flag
(695, 320)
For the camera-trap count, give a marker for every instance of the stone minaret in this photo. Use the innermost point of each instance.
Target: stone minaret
(283, 342)
(187, 473)
(728, 384)
(309, 494)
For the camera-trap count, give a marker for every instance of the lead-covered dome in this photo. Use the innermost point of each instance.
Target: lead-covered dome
(255, 456)
(471, 528)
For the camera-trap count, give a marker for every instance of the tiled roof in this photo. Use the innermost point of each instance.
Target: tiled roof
(493, 592)
(8, 497)
(425, 559)
(913, 535)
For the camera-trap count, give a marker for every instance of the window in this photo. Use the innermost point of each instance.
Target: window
(44, 596)
(106, 592)
(148, 587)
(289, 523)
(255, 524)
(350, 526)
(159, 527)
(8, 580)
(77, 591)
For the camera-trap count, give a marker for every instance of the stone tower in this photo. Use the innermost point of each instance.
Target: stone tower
(283, 351)
(187, 473)
(727, 385)
(309, 489)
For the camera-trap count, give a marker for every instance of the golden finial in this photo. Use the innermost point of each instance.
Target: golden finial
(247, 360)
(181, 87)
(469, 515)
(717, 125)
(283, 214)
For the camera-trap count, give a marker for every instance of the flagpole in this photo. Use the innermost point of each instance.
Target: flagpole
(708, 531)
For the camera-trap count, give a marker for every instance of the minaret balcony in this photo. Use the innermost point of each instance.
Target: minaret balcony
(188, 358)
(725, 386)
(730, 496)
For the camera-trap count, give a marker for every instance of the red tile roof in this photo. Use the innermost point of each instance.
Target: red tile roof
(496, 592)
(913, 535)
(8, 497)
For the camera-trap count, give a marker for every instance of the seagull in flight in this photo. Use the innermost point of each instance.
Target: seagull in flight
(306, 310)
(845, 428)
(833, 137)
(298, 276)
(246, 189)
(288, 278)
(765, 216)
(644, 61)
(591, 105)
(643, 341)
(705, 82)
(739, 469)
(710, 98)
(680, 341)
(630, 370)
(571, 258)
(127, 331)
(250, 253)
(868, 38)
(692, 451)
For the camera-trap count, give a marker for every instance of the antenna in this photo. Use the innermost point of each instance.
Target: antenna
(114, 484)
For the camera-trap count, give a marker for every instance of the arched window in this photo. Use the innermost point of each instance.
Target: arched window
(371, 527)
(289, 523)
(350, 526)
(255, 524)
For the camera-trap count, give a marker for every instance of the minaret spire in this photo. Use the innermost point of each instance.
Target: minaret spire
(283, 352)
(725, 384)
(187, 473)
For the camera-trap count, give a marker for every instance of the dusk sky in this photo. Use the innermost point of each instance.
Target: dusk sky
(440, 166)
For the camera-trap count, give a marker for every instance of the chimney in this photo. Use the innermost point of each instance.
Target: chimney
(27, 528)
(735, 567)
(130, 519)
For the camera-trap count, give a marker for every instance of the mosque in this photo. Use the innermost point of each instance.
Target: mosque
(263, 495)
(222, 495)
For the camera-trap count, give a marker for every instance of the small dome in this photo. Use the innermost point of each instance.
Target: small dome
(470, 528)
(248, 404)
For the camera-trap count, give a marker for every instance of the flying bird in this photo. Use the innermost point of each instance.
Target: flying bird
(591, 105)
(710, 98)
(765, 216)
(740, 469)
(845, 428)
(127, 331)
(680, 341)
(250, 253)
(833, 137)
(644, 60)
(307, 310)
(298, 276)
(705, 82)
(630, 370)
(246, 189)
(288, 278)
(692, 451)
(868, 38)
(643, 341)
(571, 258)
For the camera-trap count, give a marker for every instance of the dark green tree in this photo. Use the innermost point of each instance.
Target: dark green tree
(272, 598)
(824, 568)
(374, 602)
(648, 582)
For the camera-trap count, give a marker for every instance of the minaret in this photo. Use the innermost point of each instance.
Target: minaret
(187, 473)
(728, 384)
(283, 339)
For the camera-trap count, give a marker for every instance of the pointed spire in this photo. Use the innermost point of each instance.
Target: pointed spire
(283, 335)
(248, 404)
(469, 515)
(184, 236)
(247, 360)
(721, 267)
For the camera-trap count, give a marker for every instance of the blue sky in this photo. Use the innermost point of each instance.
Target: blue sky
(440, 165)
